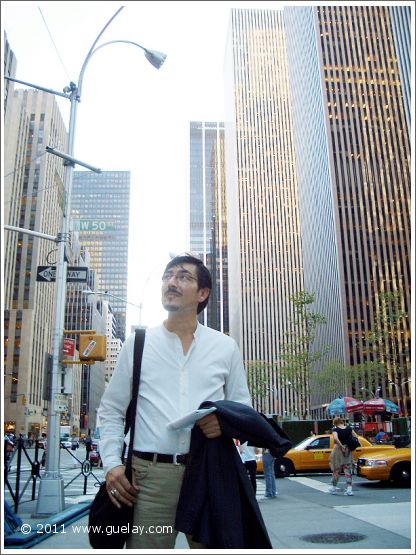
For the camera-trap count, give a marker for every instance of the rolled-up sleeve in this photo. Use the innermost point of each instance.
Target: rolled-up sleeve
(113, 407)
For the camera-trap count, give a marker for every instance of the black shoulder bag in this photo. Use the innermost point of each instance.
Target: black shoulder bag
(352, 442)
(102, 511)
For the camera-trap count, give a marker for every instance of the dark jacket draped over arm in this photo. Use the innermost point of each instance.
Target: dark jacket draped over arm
(217, 504)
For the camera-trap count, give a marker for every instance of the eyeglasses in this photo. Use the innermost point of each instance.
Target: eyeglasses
(181, 277)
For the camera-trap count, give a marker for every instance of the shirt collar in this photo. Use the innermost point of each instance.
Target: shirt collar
(197, 331)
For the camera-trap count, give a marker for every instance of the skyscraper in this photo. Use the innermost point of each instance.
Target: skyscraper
(100, 212)
(208, 225)
(318, 135)
(33, 193)
(264, 242)
(363, 67)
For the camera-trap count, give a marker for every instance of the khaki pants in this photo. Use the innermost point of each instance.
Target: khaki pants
(155, 508)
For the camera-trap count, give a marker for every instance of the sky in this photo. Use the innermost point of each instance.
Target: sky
(132, 116)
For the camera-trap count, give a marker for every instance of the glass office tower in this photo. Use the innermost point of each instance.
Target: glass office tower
(363, 67)
(264, 241)
(100, 212)
(318, 184)
(208, 226)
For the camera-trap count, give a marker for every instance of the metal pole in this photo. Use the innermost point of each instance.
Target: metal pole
(30, 232)
(51, 497)
(51, 488)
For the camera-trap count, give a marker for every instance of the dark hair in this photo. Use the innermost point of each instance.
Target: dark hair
(202, 273)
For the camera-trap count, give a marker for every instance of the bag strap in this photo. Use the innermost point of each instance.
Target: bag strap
(132, 408)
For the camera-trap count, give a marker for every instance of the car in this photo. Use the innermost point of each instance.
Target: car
(389, 465)
(312, 455)
(66, 443)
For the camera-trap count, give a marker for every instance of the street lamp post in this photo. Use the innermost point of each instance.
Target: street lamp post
(375, 395)
(88, 292)
(51, 488)
(400, 397)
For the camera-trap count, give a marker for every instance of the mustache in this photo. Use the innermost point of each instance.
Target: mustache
(172, 289)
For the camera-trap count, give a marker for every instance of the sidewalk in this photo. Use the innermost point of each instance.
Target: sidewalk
(35, 532)
(303, 516)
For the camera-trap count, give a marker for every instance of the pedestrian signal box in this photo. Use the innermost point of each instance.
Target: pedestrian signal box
(92, 347)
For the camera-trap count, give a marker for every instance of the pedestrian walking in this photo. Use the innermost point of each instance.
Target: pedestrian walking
(44, 445)
(340, 459)
(269, 475)
(184, 364)
(88, 447)
(248, 456)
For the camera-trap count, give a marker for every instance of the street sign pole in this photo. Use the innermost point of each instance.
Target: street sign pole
(51, 487)
(74, 274)
(51, 499)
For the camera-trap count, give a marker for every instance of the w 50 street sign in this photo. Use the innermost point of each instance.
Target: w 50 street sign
(92, 225)
(74, 274)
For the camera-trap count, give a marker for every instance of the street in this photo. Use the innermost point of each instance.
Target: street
(303, 516)
(74, 472)
(378, 514)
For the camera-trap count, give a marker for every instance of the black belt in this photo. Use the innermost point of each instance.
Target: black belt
(159, 457)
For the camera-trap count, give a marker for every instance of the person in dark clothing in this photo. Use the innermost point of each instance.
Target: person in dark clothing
(88, 447)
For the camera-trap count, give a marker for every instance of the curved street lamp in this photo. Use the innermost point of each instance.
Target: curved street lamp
(376, 394)
(88, 292)
(401, 397)
(51, 488)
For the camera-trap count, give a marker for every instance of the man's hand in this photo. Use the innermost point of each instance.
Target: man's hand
(119, 488)
(210, 426)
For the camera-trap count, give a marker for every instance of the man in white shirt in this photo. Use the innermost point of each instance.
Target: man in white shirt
(184, 364)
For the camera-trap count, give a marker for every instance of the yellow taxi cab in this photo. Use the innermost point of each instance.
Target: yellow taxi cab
(312, 454)
(388, 465)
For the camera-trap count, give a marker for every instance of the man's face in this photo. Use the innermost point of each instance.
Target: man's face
(180, 290)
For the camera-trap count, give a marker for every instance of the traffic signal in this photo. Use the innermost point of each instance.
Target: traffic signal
(92, 347)
(23, 399)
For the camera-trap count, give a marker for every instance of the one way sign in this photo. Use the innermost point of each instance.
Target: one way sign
(74, 274)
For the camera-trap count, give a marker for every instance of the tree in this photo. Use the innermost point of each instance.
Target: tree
(385, 357)
(296, 355)
(333, 379)
(258, 380)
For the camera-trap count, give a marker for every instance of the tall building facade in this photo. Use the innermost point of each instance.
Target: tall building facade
(264, 242)
(364, 69)
(33, 194)
(400, 25)
(208, 219)
(10, 64)
(320, 248)
(318, 187)
(100, 212)
(84, 383)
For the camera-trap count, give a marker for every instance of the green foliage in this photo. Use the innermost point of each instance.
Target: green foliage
(296, 354)
(332, 379)
(257, 379)
(382, 343)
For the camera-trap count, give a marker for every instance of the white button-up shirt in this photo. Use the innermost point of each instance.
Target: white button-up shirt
(171, 385)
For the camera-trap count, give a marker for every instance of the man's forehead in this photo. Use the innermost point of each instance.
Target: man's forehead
(185, 267)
